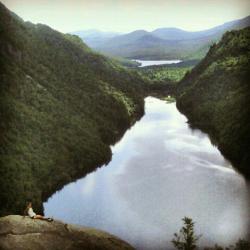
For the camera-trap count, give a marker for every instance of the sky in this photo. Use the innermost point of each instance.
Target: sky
(129, 15)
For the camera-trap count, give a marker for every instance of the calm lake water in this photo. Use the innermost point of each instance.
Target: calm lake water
(161, 171)
(145, 63)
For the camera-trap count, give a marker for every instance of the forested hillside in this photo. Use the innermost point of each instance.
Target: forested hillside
(61, 106)
(215, 97)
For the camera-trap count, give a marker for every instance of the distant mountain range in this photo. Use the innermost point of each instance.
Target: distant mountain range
(163, 43)
(95, 38)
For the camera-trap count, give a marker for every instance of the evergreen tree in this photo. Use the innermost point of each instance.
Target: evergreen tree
(186, 239)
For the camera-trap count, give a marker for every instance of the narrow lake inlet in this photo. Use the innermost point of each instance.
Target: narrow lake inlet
(161, 171)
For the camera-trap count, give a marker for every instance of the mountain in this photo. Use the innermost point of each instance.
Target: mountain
(94, 38)
(167, 43)
(172, 34)
(139, 44)
(61, 107)
(134, 39)
(127, 45)
(215, 96)
(179, 34)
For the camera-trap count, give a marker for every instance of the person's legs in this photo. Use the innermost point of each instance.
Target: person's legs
(40, 217)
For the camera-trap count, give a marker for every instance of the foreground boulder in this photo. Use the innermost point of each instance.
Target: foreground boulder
(18, 232)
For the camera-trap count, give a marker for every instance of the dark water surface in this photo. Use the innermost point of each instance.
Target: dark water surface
(160, 172)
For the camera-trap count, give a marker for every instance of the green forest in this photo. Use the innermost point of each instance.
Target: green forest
(62, 105)
(215, 96)
(57, 108)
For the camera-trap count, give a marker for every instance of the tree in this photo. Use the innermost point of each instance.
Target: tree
(242, 245)
(186, 239)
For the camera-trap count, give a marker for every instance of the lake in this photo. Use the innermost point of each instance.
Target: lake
(161, 171)
(145, 63)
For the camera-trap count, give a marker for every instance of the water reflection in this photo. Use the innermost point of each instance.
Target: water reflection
(161, 171)
(145, 63)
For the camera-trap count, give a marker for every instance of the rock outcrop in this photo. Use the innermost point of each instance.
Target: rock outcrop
(23, 233)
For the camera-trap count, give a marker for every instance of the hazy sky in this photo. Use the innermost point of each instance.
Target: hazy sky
(128, 15)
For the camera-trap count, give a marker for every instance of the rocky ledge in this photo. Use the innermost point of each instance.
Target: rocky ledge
(23, 233)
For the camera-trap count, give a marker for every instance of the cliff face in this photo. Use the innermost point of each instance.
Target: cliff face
(215, 96)
(24, 233)
(61, 106)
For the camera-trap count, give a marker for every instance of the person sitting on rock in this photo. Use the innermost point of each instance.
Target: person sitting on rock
(29, 211)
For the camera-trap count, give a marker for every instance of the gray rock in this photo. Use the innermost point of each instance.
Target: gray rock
(23, 233)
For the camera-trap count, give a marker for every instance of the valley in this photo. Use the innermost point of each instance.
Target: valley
(131, 124)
